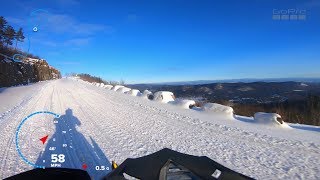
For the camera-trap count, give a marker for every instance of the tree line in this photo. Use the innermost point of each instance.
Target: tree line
(306, 111)
(91, 79)
(8, 35)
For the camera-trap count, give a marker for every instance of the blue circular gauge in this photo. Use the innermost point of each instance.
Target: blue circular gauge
(43, 139)
(46, 139)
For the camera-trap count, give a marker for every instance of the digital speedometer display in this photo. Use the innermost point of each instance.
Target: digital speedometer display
(47, 139)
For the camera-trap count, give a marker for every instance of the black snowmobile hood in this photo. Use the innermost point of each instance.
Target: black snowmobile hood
(159, 166)
(52, 173)
(165, 164)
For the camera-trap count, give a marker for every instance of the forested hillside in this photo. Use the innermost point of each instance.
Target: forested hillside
(19, 67)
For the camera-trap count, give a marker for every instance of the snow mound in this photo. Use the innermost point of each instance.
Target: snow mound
(164, 96)
(123, 89)
(218, 109)
(272, 119)
(147, 94)
(107, 86)
(98, 84)
(116, 87)
(134, 92)
(101, 85)
(185, 104)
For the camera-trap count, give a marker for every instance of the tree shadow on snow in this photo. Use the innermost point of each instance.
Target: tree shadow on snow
(2, 89)
(296, 126)
(78, 152)
(305, 127)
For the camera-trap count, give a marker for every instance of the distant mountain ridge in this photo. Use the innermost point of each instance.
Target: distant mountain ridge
(244, 92)
(243, 80)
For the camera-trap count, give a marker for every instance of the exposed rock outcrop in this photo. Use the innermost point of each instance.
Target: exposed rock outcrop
(28, 71)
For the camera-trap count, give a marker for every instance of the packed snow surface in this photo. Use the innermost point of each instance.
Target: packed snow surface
(108, 126)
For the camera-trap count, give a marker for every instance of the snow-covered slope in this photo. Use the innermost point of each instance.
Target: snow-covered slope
(117, 126)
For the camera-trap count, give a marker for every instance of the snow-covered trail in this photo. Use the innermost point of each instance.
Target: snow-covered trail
(115, 126)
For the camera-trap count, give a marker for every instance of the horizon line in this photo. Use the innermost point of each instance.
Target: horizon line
(238, 80)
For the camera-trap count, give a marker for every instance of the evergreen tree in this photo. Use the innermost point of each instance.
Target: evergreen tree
(19, 36)
(9, 35)
(3, 24)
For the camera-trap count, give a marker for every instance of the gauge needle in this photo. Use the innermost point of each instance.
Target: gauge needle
(44, 139)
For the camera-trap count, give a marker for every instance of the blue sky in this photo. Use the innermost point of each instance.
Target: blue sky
(171, 40)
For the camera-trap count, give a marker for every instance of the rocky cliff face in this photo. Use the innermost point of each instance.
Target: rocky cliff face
(31, 70)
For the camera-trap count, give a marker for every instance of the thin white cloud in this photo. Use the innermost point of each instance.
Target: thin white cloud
(15, 21)
(43, 41)
(72, 42)
(74, 33)
(77, 42)
(62, 23)
(49, 43)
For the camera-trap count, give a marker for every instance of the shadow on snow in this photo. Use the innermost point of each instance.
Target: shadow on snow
(74, 146)
(305, 127)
